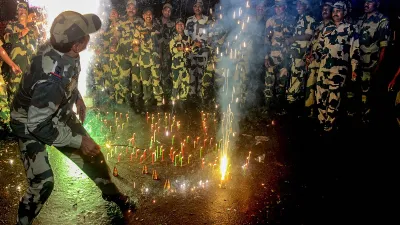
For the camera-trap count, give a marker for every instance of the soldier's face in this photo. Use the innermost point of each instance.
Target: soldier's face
(22, 13)
(180, 27)
(301, 8)
(260, 11)
(114, 14)
(131, 10)
(166, 12)
(80, 46)
(326, 12)
(370, 7)
(197, 8)
(280, 9)
(148, 17)
(338, 15)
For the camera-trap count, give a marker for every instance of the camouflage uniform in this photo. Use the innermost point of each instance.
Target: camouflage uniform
(21, 53)
(277, 31)
(41, 115)
(129, 78)
(4, 106)
(180, 75)
(197, 31)
(305, 25)
(338, 48)
(167, 33)
(150, 62)
(313, 68)
(374, 35)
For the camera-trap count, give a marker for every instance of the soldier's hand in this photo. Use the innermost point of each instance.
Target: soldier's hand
(89, 147)
(266, 62)
(81, 109)
(15, 68)
(136, 48)
(353, 76)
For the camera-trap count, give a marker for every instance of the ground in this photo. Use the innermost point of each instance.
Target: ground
(293, 175)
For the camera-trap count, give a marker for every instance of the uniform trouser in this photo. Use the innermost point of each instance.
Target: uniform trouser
(366, 93)
(310, 90)
(276, 78)
(296, 82)
(197, 67)
(180, 78)
(4, 106)
(40, 175)
(151, 84)
(397, 107)
(128, 81)
(166, 80)
(329, 86)
(207, 81)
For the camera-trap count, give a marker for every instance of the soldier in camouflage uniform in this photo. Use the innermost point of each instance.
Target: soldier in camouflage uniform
(180, 47)
(300, 41)
(42, 114)
(148, 37)
(338, 48)
(196, 29)
(278, 29)
(129, 80)
(167, 27)
(313, 64)
(108, 76)
(23, 39)
(374, 38)
(4, 106)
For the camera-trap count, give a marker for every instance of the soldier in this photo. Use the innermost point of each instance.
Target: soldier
(167, 32)
(4, 106)
(300, 41)
(338, 48)
(128, 58)
(196, 29)
(313, 64)
(278, 29)
(23, 39)
(42, 114)
(374, 38)
(148, 37)
(180, 46)
(108, 76)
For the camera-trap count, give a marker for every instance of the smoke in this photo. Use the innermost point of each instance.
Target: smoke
(53, 8)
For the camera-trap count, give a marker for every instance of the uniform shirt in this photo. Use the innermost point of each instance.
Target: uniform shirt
(179, 57)
(339, 48)
(128, 29)
(149, 39)
(111, 37)
(167, 31)
(42, 106)
(27, 43)
(197, 30)
(315, 41)
(305, 25)
(1, 60)
(277, 31)
(374, 34)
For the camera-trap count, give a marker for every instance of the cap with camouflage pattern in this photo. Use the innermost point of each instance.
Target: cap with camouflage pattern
(198, 2)
(131, 2)
(148, 8)
(22, 5)
(70, 26)
(280, 2)
(167, 5)
(340, 5)
(305, 2)
(179, 20)
(328, 3)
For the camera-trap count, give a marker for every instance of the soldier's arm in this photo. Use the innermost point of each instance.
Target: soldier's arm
(355, 51)
(42, 115)
(384, 36)
(10, 36)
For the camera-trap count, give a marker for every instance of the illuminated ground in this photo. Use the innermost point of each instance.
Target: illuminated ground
(301, 179)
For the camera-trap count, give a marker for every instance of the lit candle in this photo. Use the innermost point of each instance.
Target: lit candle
(131, 156)
(162, 156)
(194, 144)
(176, 159)
(152, 158)
(187, 139)
(173, 137)
(201, 151)
(119, 157)
(189, 159)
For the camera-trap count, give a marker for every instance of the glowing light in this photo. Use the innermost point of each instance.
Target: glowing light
(223, 166)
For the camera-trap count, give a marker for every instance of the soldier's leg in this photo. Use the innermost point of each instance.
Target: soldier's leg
(40, 179)
(335, 87)
(201, 66)
(123, 81)
(157, 89)
(184, 84)
(4, 106)
(296, 82)
(280, 88)
(269, 85)
(310, 90)
(145, 74)
(193, 75)
(321, 96)
(176, 84)
(397, 107)
(207, 83)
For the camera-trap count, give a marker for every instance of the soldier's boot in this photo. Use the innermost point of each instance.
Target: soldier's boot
(137, 104)
(125, 204)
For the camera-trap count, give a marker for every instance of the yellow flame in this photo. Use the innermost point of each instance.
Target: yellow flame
(223, 166)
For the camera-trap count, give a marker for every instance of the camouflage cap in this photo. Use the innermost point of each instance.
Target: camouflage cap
(70, 26)
(148, 8)
(328, 3)
(280, 2)
(198, 2)
(340, 5)
(131, 2)
(167, 5)
(305, 2)
(179, 20)
(22, 5)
